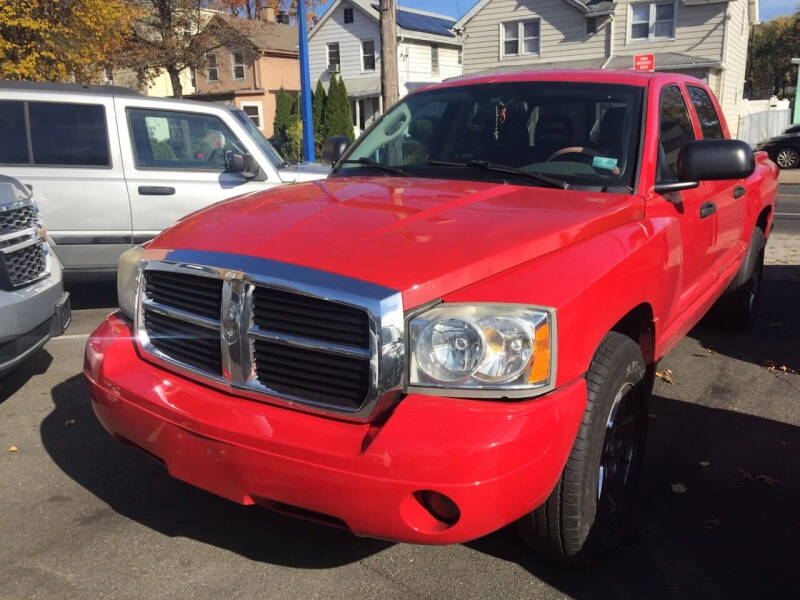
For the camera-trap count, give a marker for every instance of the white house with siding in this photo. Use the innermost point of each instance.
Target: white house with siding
(704, 38)
(346, 40)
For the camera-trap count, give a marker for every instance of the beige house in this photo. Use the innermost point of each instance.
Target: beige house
(249, 72)
(703, 38)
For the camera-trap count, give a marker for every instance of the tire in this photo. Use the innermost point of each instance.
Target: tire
(587, 512)
(787, 158)
(737, 307)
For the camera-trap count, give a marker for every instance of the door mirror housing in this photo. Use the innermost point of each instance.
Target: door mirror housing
(334, 148)
(241, 163)
(710, 160)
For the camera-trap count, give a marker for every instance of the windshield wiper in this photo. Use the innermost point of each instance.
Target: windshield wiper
(377, 165)
(487, 166)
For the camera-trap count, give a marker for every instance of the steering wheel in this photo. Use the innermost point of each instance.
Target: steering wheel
(588, 152)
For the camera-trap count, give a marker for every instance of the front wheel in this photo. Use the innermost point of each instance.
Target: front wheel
(588, 510)
(787, 158)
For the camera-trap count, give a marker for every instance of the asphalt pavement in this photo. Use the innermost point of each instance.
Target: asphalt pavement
(716, 515)
(787, 213)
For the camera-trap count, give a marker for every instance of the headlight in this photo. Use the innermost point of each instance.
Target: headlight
(128, 280)
(492, 350)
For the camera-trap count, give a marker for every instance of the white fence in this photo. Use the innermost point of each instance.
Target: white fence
(762, 119)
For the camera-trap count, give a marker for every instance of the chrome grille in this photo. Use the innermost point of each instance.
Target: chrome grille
(304, 316)
(16, 219)
(185, 342)
(192, 293)
(23, 266)
(318, 376)
(273, 332)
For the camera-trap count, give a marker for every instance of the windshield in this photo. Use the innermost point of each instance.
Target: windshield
(581, 133)
(272, 154)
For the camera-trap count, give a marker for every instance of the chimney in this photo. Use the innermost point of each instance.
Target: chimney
(267, 14)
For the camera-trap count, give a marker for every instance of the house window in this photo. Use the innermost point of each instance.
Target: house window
(212, 72)
(368, 55)
(653, 20)
(348, 15)
(434, 60)
(333, 58)
(253, 111)
(238, 65)
(460, 56)
(519, 38)
(591, 25)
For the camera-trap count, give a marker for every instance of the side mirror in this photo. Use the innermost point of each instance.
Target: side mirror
(334, 148)
(244, 164)
(710, 160)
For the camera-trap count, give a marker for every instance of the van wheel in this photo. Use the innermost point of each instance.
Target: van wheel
(587, 512)
(737, 307)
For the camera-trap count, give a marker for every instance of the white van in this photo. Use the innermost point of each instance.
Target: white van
(111, 168)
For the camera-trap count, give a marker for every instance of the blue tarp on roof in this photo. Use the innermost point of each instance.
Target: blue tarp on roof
(425, 23)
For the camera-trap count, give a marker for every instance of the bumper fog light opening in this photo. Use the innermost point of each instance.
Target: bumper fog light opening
(440, 507)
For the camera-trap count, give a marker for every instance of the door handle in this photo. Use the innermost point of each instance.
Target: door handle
(739, 191)
(708, 209)
(156, 190)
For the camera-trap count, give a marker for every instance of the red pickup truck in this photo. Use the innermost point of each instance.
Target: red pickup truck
(458, 329)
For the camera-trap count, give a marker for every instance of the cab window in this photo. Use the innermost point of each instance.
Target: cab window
(178, 140)
(675, 130)
(706, 113)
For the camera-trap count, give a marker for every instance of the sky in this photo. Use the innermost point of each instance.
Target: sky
(456, 8)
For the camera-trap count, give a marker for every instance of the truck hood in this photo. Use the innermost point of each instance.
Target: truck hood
(424, 237)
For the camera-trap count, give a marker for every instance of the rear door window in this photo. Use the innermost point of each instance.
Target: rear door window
(14, 148)
(706, 113)
(179, 140)
(68, 134)
(675, 131)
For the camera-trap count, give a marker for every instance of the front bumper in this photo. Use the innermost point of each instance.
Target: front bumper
(496, 460)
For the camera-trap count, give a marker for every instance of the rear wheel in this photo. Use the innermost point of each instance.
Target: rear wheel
(787, 158)
(737, 307)
(587, 511)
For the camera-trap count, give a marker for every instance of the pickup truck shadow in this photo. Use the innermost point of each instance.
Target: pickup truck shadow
(716, 513)
(774, 338)
(138, 488)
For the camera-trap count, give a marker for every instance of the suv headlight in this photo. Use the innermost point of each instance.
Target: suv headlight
(487, 350)
(128, 280)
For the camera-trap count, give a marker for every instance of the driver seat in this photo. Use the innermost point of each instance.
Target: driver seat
(610, 134)
(553, 132)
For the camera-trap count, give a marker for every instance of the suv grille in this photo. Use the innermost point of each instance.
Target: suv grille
(268, 341)
(17, 219)
(24, 265)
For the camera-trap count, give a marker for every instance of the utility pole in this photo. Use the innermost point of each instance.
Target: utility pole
(388, 53)
(305, 84)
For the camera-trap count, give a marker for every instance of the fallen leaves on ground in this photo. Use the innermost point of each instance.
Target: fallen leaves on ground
(678, 488)
(666, 375)
(773, 366)
(744, 475)
(12, 448)
(712, 523)
(705, 463)
(69, 422)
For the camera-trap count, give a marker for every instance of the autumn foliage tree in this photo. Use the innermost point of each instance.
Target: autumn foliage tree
(251, 9)
(769, 62)
(61, 40)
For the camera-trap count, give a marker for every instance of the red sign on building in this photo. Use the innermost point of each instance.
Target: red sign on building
(644, 62)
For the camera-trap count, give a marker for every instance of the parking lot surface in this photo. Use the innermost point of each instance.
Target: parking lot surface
(716, 516)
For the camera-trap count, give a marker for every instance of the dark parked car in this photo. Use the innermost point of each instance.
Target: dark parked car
(784, 149)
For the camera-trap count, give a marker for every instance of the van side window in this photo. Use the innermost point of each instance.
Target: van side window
(706, 113)
(69, 134)
(14, 149)
(177, 140)
(674, 132)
